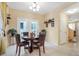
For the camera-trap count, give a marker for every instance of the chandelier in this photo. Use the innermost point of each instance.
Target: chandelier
(35, 6)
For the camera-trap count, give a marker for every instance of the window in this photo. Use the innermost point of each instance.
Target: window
(25, 25)
(34, 27)
(21, 25)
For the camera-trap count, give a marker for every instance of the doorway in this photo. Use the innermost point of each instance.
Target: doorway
(72, 35)
(73, 32)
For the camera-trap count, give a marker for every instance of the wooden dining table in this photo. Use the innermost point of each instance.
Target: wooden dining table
(30, 42)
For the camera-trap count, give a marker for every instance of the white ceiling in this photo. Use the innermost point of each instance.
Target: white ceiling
(72, 9)
(45, 7)
(73, 14)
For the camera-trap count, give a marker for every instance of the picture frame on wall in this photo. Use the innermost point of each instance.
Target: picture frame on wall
(51, 21)
(52, 24)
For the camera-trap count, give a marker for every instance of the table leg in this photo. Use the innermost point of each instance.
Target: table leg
(31, 47)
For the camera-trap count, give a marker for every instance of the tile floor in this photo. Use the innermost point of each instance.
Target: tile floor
(63, 50)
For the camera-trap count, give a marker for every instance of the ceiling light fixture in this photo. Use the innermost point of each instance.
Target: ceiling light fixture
(35, 6)
(72, 11)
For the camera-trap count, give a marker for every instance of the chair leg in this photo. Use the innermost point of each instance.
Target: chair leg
(19, 51)
(39, 51)
(16, 49)
(25, 49)
(28, 48)
(43, 49)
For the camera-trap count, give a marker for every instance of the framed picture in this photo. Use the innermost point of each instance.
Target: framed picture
(52, 22)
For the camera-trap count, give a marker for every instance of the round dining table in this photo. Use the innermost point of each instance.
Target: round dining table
(30, 39)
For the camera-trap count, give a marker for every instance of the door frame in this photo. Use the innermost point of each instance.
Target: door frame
(71, 22)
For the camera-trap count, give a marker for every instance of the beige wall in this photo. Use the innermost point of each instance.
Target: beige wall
(16, 14)
(53, 33)
(63, 28)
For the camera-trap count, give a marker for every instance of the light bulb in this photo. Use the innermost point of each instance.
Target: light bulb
(30, 7)
(34, 10)
(37, 9)
(38, 6)
(72, 11)
(33, 5)
(36, 2)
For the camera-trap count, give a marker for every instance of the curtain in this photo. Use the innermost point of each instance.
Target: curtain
(1, 24)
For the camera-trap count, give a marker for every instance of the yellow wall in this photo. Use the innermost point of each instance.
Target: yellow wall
(3, 42)
(0, 38)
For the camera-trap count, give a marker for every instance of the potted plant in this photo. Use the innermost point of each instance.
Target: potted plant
(12, 32)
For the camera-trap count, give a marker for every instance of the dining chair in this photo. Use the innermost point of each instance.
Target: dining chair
(32, 34)
(40, 42)
(26, 34)
(20, 44)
